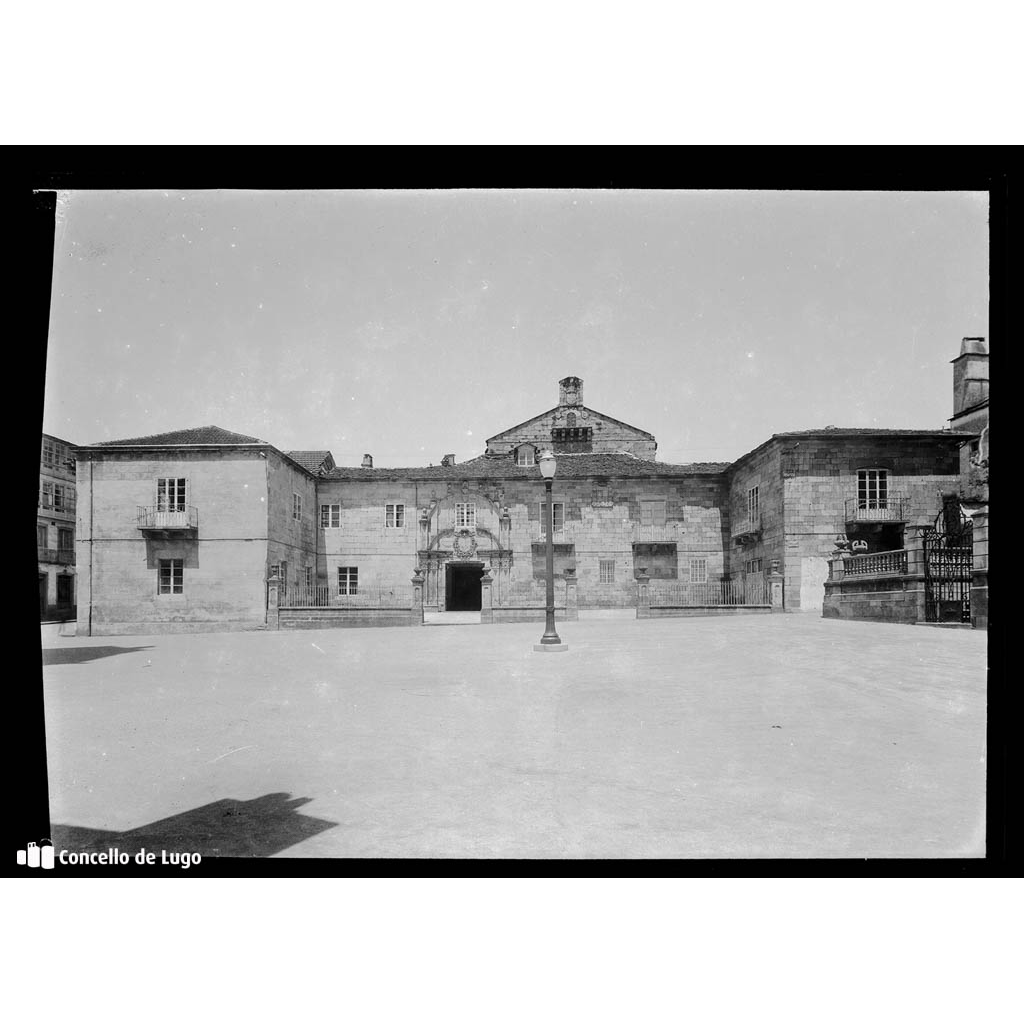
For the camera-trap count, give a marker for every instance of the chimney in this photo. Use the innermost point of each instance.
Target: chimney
(367, 462)
(448, 460)
(970, 375)
(570, 391)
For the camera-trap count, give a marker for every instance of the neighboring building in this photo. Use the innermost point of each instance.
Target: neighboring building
(182, 531)
(970, 401)
(55, 529)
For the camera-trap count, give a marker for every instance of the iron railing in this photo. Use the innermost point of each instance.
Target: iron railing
(177, 517)
(57, 556)
(875, 510)
(752, 590)
(881, 563)
(747, 524)
(381, 596)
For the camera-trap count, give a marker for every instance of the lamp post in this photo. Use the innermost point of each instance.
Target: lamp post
(550, 641)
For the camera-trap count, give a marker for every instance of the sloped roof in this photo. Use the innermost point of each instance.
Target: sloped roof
(576, 409)
(311, 460)
(191, 435)
(570, 465)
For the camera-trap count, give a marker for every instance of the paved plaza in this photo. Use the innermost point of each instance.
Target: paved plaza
(763, 736)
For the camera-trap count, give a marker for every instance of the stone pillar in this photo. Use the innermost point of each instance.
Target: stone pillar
(416, 615)
(643, 595)
(571, 608)
(914, 544)
(979, 572)
(775, 590)
(273, 602)
(486, 597)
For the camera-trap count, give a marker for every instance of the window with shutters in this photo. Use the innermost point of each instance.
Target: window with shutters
(557, 515)
(170, 494)
(652, 511)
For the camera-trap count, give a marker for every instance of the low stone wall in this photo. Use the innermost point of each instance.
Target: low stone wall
(341, 618)
(681, 611)
(881, 599)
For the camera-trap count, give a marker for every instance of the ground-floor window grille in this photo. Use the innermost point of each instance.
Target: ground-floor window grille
(307, 576)
(348, 579)
(754, 565)
(172, 576)
(607, 570)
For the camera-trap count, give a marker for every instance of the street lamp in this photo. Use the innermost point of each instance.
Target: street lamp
(550, 641)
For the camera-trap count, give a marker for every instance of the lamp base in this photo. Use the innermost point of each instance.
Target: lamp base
(541, 648)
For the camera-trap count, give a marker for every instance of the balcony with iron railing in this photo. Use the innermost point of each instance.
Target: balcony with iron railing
(172, 518)
(57, 556)
(888, 509)
(747, 527)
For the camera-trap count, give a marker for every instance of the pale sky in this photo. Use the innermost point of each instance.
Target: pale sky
(409, 324)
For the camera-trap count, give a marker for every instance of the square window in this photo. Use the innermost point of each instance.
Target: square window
(394, 516)
(526, 456)
(172, 576)
(652, 512)
(330, 517)
(465, 514)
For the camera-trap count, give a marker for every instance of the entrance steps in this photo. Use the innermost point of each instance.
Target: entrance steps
(451, 618)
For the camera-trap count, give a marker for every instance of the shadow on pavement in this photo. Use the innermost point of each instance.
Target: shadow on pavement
(76, 655)
(225, 828)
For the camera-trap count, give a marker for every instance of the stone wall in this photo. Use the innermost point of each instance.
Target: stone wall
(224, 559)
(819, 476)
(608, 434)
(288, 539)
(602, 523)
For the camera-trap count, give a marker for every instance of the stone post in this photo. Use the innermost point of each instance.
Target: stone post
(571, 607)
(273, 602)
(979, 572)
(486, 598)
(643, 595)
(775, 590)
(416, 615)
(914, 545)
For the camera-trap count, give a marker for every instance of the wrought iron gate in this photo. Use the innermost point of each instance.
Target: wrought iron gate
(948, 563)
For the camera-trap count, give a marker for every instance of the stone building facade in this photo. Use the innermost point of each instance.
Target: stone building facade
(55, 529)
(184, 531)
(178, 532)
